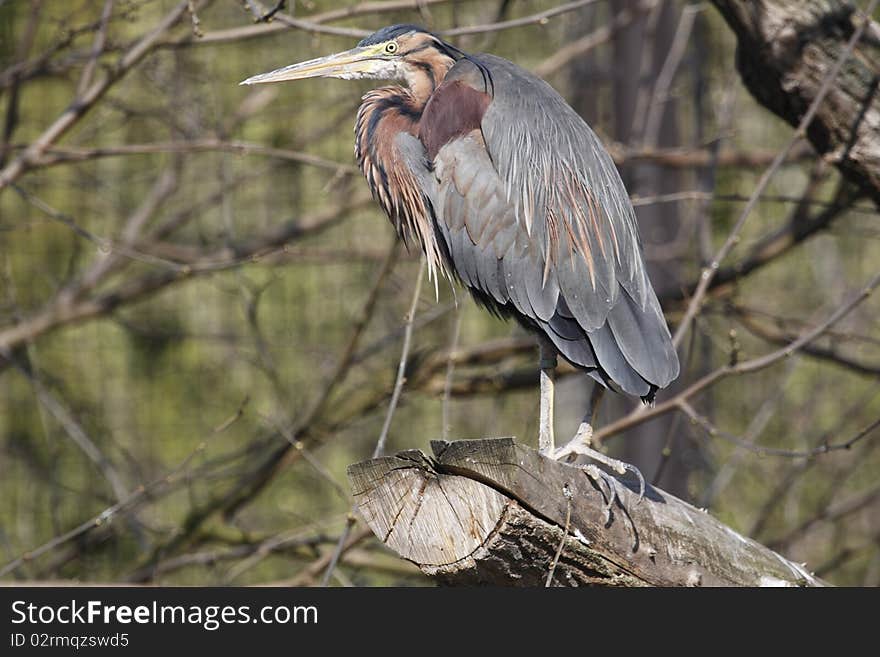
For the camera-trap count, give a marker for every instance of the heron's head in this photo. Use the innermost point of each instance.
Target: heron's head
(400, 52)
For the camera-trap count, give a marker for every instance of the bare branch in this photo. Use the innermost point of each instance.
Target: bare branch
(708, 273)
(644, 413)
(146, 44)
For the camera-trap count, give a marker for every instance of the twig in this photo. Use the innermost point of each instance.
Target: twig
(263, 550)
(274, 544)
(269, 15)
(163, 188)
(712, 430)
(106, 516)
(324, 562)
(450, 369)
(566, 491)
(845, 555)
(588, 42)
(314, 24)
(426, 318)
(313, 461)
(392, 406)
(830, 353)
(339, 549)
(849, 506)
(798, 469)
(97, 48)
(753, 365)
(73, 429)
(102, 243)
(13, 78)
(401, 368)
(357, 331)
(194, 19)
(90, 96)
(667, 73)
(800, 227)
(235, 417)
(71, 154)
(755, 428)
(59, 313)
(541, 17)
(305, 24)
(315, 20)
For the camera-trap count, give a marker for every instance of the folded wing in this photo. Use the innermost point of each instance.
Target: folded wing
(541, 229)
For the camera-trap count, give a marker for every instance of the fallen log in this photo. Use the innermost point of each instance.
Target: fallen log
(495, 512)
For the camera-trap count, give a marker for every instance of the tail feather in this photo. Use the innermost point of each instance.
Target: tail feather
(644, 339)
(632, 350)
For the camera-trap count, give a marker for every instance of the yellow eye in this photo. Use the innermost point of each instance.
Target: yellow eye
(391, 47)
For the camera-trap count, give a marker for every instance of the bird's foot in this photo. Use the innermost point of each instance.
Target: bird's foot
(580, 446)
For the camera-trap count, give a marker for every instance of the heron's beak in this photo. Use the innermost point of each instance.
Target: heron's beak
(355, 63)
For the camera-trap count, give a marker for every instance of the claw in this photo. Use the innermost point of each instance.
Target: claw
(606, 482)
(580, 447)
(609, 491)
(641, 478)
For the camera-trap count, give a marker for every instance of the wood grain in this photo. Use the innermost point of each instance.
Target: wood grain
(492, 511)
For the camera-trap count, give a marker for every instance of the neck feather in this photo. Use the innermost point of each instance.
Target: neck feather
(385, 114)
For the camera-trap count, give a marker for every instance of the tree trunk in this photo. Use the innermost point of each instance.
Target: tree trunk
(639, 53)
(786, 49)
(498, 513)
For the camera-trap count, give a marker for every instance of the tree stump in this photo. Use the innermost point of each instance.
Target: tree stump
(495, 512)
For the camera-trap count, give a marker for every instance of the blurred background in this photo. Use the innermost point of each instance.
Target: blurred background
(202, 310)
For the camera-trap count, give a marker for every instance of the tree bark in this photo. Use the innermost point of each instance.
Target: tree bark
(785, 50)
(498, 513)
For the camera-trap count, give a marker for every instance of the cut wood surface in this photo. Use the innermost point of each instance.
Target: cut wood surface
(492, 511)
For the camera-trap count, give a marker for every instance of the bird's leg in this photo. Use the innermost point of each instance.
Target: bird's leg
(580, 444)
(547, 363)
(584, 433)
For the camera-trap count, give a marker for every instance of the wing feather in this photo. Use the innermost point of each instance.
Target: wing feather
(545, 230)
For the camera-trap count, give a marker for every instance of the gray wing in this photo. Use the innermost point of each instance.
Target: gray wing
(544, 228)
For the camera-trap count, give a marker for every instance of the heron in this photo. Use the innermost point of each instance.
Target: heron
(507, 190)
